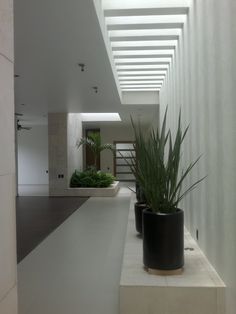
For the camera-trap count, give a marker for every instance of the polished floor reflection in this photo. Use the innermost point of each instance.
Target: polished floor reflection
(38, 216)
(76, 269)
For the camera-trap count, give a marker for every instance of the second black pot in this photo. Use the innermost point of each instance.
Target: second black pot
(140, 196)
(138, 210)
(163, 240)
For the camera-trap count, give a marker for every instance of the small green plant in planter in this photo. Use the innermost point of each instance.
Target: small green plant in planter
(91, 179)
(158, 171)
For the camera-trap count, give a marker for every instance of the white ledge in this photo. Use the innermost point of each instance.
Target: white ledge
(95, 192)
(198, 290)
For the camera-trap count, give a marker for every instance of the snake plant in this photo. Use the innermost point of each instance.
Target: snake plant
(157, 166)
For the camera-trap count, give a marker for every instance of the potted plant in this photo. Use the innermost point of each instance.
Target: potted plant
(141, 203)
(161, 178)
(139, 206)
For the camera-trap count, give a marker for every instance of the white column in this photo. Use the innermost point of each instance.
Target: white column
(8, 291)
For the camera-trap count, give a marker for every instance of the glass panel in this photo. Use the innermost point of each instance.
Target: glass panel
(123, 169)
(125, 146)
(121, 161)
(125, 177)
(125, 153)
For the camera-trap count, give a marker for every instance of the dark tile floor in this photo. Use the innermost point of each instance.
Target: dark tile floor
(38, 216)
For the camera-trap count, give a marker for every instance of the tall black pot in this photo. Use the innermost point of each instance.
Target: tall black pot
(163, 240)
(138, 210)
(140, 196)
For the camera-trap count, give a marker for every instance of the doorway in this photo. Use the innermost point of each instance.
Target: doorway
(124, 153)
(89, 156)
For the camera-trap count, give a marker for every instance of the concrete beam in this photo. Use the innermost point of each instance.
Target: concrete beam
(143, 56)
(144, 38)
(143, 47)
(144, 26)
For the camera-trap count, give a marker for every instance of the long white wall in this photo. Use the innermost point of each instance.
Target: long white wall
(8, 290)
(202, 81)
(33, 155)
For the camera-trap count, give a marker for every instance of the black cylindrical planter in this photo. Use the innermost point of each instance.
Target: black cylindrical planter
(140, 196)
(138, 210)
(163, 240)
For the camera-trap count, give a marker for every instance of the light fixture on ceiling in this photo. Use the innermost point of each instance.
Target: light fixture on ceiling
(82, 66)
(101, 116)
(95, 88)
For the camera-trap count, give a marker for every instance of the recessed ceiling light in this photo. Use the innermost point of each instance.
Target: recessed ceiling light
(95, 88)
(82, 66)
(101, 116)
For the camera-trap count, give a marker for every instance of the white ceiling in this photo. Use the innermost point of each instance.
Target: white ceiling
(51, 38)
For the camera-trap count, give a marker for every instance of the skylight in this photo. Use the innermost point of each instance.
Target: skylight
(141, 86)
(141, 77)
(144, 32)
(132, 82)
(142, 60)
(140, 90)
(141, 66)
(143, 36)
(144, 4)
(141, 72)
(96, 117)
(143, 44)
(143, 52)
(148, 19)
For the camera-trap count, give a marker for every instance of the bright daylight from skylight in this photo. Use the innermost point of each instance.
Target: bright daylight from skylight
(96, 117)
(143, 36)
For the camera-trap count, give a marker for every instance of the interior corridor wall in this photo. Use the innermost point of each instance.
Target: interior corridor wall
(201, 80)
(33, 155)
(8, 287)
(64, 129)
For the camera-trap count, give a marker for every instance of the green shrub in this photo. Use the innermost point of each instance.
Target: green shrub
(91, 179)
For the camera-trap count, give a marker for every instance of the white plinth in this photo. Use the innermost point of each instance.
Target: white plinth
(95, 192)
(198, 290)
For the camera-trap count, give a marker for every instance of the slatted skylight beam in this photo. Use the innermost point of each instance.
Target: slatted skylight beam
(140, 89)
(140, 81)
(143, 35)
(147, 7)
